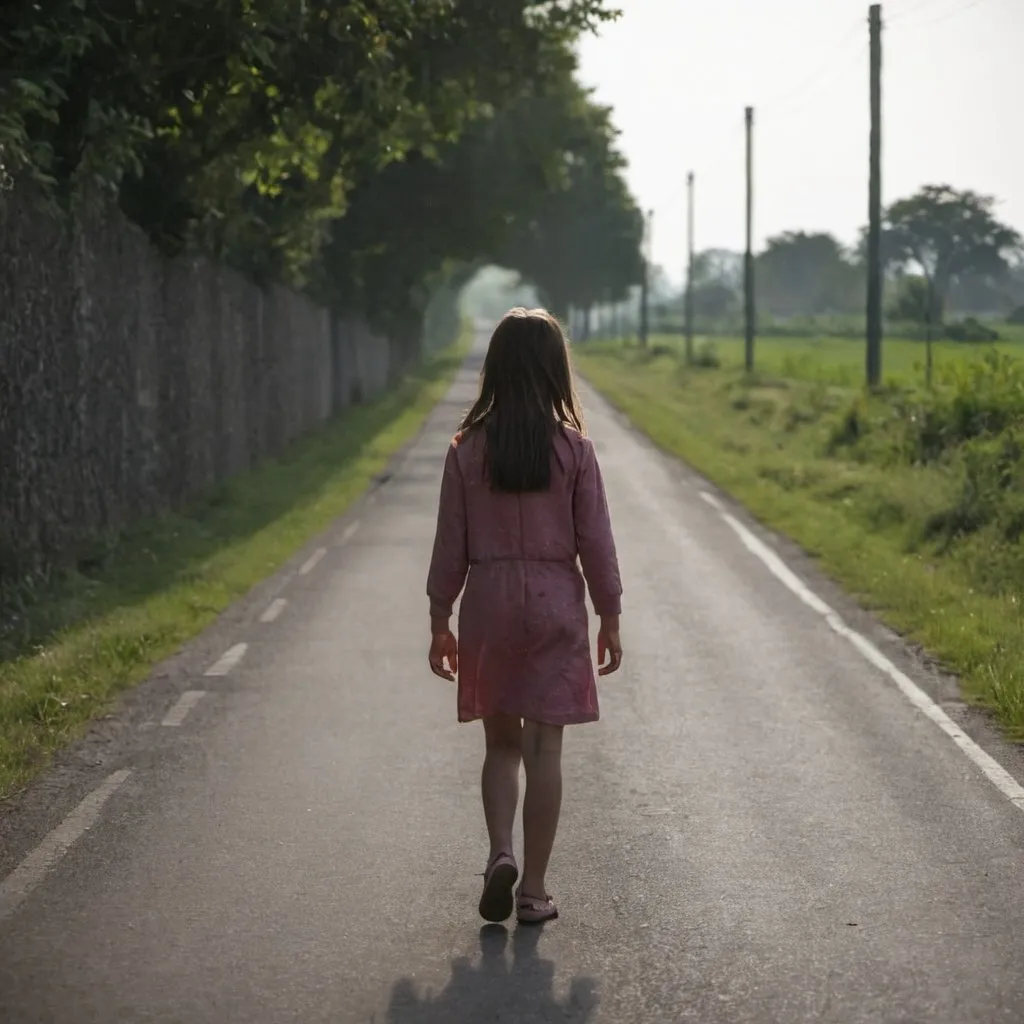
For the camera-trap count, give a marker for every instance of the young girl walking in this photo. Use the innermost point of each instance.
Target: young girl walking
(521, 500)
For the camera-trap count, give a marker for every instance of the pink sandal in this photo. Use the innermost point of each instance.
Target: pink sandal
(496, 901)
(531, 910)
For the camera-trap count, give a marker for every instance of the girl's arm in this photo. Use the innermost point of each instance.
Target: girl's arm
(594, 538)
(450, 560)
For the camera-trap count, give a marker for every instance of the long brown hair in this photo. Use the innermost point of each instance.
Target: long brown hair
(526, 394)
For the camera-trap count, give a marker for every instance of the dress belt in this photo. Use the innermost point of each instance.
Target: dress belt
(521, 558)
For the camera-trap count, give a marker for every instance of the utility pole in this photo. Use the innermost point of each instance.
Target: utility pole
(748, 261)
(688, 314)
(874, 253)
(645, 282)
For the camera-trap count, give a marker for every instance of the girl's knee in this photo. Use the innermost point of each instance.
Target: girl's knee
(541, 738)
(503, 732)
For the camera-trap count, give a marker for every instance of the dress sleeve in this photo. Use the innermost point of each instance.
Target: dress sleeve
(594, 539)
(450, 560)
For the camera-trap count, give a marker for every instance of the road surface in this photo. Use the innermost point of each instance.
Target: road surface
(762, 828)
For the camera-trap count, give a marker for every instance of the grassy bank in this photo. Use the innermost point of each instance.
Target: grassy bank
(71, 646)
(913, 501)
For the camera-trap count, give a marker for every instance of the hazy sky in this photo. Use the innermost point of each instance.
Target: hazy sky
(678, 74)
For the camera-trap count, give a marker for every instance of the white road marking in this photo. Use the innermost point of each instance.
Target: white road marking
(273, 609)
(712, 500)
(310, 564)
(993, 770)
(350, 532)
(186, 702)
(228, 660)
(18, 885)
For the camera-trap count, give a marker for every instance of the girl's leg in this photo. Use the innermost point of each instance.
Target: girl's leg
(500, 779)
(542, 755)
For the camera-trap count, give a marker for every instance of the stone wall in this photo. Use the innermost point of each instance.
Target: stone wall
(129, 382)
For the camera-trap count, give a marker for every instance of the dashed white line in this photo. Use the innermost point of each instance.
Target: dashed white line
(712, 500)
(186, 702)
(350, 532)
(273, 609)
(992, 769)
(228, 660)
(310, 564)
(18, 885)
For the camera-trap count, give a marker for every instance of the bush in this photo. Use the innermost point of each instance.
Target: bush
(971, 329)
(991, 492)
(975, 400)
(849, 428)
(1017, 316)
(706, 356)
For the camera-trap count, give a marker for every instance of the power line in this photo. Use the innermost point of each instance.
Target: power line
(835, 72)
(906, 19)
(854, 34)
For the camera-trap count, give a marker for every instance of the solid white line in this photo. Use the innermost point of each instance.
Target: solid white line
(712, 500)
(993, 770)
(350, 532)
(311, 562)
(186, 702)
(17, 886)
(273, 609)
(228, 660)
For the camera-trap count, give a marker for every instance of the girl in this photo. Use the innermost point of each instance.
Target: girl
(521, 499)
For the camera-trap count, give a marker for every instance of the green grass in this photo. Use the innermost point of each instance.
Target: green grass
(924, 542)
(840, 362)
(73, 644)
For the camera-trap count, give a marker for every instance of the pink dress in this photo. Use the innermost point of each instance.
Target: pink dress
(523, 639)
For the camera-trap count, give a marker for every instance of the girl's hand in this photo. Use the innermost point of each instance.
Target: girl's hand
(444, 646)
(609, 646)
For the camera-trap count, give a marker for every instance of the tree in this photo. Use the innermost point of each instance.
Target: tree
(244, 125)
(910, 301)
(720, 267)
(717, 283)
(535, 185)
(945, 234)
(800, 273)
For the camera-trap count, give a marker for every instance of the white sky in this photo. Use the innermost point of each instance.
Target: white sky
(678, 74)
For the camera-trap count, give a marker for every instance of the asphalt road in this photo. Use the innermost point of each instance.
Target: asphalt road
(762, 828)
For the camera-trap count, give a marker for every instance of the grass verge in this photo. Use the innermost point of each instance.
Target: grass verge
(80, 639)
(913, 503)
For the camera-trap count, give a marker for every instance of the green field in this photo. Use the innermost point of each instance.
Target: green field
(913, 501)
(840, 362)
(72, 645)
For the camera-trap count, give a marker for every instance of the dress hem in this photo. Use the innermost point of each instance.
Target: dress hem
(564, 720)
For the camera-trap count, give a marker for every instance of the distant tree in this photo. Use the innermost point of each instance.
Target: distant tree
(909, 302)
(714, 300)
(800, 273)
(719, 267)
(946, 234)
(717, 282)
(977, 293)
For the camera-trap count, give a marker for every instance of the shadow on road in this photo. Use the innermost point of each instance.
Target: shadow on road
(519, 988)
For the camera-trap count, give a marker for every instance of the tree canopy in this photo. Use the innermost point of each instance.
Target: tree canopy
(947, 234)
(349, 147)
(809, 274)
